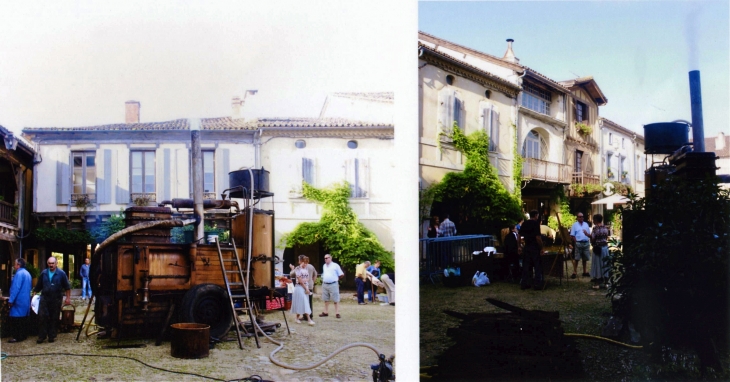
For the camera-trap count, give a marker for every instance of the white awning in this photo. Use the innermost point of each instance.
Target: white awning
(611, 200)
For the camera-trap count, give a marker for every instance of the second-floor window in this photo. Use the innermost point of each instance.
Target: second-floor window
(143, 172)
(578, 161)
(450, 111)
(356, 174)
(581, 111)
(308, 171)
(534, 146)
(536, 99)
(84, 175)
(209, 172)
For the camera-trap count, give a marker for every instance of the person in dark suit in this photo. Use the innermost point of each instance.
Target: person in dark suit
(512, 249)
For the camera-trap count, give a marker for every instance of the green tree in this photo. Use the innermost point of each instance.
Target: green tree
(114, 224)
(476, 195)
(339, 229)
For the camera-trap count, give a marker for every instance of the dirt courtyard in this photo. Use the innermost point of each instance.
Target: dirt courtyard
(67, 359)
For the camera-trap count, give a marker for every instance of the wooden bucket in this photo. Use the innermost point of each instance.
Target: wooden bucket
(190, 341)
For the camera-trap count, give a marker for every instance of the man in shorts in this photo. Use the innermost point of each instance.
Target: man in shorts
(580, 233)
(331, 275)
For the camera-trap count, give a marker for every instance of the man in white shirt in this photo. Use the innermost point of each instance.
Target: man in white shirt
(580, 232)
(331, 275)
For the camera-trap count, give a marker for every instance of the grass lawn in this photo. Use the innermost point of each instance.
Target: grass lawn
(582, 310)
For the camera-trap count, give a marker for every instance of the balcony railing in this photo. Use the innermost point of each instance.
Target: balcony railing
(7, 212)
(536, 169)
(583, 178)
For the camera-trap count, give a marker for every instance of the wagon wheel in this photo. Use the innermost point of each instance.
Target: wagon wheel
(208, 304)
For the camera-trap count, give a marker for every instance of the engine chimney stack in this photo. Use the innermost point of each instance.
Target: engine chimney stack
(698, 128)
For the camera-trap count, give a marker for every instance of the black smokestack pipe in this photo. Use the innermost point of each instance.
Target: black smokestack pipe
(698, 128)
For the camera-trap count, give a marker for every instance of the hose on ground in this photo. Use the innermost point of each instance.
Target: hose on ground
(591, 337)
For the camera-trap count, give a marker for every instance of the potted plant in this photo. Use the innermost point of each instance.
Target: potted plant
(583, 129)
(142, 200)
(624, 175)
(610, 173)
(83, 203)
(76, 287)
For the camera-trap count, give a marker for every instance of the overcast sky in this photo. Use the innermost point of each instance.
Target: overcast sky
(639, 52)
(75, 63)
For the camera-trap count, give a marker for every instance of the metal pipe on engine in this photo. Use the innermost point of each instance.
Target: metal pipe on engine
(197, 163)
(695, 93)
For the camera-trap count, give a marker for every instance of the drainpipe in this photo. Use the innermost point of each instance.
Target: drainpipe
(257, 148)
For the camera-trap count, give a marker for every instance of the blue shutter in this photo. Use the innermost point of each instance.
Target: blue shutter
(166, 176)
(226, 165)
(63, 184)
(121, 191)
(104, 184)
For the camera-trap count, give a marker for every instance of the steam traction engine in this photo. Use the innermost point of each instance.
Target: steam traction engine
(147, 282)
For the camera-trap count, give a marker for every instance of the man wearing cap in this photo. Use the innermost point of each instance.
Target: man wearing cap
(52, 282)
(331, 275)
(580, 233)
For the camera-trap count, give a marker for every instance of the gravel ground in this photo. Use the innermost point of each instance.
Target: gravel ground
(87, 360)
(582, 310)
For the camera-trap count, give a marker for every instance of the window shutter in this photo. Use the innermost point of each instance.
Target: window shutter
(446, 110)
(63, 178)
(458, 114)
(166, 176)
(308, 171)
(104, 182)
(494, 130)
(123, 175)
(363, 177)
(484, 110)
(350, 175)
(226, 169)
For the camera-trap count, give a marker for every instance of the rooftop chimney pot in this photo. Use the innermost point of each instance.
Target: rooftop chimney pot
(131, 114)
(509, 55)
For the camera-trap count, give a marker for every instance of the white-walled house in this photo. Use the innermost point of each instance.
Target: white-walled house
(622, 155)
(535, 113)
(114, 165)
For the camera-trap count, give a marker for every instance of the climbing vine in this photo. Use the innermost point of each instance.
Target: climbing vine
(62, 235)
(339, 230)
(476, 198)
(517, 168)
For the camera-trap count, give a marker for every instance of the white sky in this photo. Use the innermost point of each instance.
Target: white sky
(75, 63)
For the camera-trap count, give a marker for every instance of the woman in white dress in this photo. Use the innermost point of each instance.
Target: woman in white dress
(300, 298)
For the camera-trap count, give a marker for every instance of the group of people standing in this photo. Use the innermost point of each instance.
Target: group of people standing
(447, 228)
(582, 237)
(52, 283)
(305, 274)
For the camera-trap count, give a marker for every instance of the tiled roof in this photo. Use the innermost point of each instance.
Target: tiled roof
(472, 68)
(378, 96)
(491, 58)
(710, 145)
(590, 85)
(624, 129)
(221, 123)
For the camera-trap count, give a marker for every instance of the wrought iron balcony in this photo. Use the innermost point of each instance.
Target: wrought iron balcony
(537, 169)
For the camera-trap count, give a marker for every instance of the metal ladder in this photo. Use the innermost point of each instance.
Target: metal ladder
(246, 304)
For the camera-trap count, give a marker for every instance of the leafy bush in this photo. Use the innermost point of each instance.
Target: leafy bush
(75, 284)
(476, 196)
(114, 224)
(566, 218)
(339, 229)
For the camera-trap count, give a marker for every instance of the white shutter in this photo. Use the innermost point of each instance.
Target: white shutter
(363, 178)
(446, 111)
(494, 130)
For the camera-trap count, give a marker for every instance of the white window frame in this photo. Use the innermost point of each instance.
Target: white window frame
(143, 192)
(357, 174)
(86, 184)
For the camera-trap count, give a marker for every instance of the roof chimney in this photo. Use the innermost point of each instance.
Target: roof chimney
(131, 114)
(236, 107)
(509, 55)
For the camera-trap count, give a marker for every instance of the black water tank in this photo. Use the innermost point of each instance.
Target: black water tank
(243, 178)
(665, 137)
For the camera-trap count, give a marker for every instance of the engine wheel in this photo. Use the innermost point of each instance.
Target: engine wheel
(208, 304)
